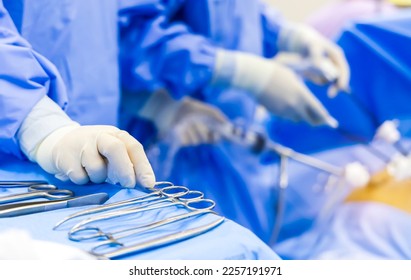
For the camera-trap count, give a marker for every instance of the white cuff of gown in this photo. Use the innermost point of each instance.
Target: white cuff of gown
(45, 117)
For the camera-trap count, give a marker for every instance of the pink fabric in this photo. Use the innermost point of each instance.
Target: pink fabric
(331, 19)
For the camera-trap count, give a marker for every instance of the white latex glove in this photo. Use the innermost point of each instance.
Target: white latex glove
(82, 153)
(308, 42)
(320, 72)
(274, 86)
(95, 153)
(190, 121)
(198, 123)
(17, 244)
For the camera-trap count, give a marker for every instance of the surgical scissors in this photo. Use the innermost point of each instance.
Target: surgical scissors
(47, 191)
(189, 203)
(20, 184)
(161, 189)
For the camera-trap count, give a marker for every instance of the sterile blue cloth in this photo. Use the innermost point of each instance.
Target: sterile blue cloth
(364, 231)
(227, 241)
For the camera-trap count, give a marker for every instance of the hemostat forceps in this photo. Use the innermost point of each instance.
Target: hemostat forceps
(194, 201)
(161, 190)
(93, 232)
(38, 191)
(160, 241)
(20, 184)
(114, 237)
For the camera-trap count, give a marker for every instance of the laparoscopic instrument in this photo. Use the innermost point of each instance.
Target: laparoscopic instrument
(47, 191)
(259, 142)
(17, 209)
(354, 173)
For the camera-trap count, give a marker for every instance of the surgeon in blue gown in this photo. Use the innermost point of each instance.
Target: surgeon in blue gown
(66, 120)
(218, 52)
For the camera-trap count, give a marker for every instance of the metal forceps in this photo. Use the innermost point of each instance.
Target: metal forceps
(20, 184)
(113, 238)
(159, 241)
(160, 190)
(47, 191)
(193, 201)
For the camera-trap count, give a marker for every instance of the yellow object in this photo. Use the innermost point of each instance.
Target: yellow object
(401, 3)
(385, 189)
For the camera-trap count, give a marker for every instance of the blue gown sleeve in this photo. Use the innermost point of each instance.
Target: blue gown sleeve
(271, 21)
(25, 77)
(158, 53)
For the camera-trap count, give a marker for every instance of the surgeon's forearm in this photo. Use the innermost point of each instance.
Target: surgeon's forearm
(26, 76)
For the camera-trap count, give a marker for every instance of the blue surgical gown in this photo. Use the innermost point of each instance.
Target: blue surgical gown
(78, 65)
(172, 45)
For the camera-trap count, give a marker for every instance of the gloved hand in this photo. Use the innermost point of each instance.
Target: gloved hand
(190, 121)
(309, 43)
(197, 123)
(274, 86)
(94, 153)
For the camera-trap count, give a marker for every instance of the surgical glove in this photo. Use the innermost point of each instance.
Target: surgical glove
(198, 123)
(309, 43)
(94, 153)
(319, 72)
(274, 86)
(190, 121)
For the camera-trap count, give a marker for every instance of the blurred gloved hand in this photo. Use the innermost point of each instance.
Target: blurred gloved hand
(94, 153)
(320, 72)
(196, 123)
(309, 43)
(190, 121)
(274, 86)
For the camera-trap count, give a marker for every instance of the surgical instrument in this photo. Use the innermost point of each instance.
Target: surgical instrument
(87, 233)
(258, 142)
(12, 210)
(160, 241)
(188, 203)
(167, 190)
(20, 184)
(283, 185)
(38, 191)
